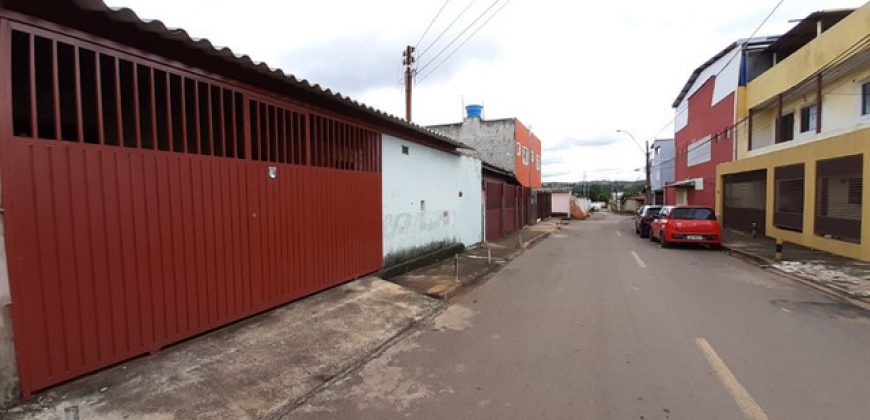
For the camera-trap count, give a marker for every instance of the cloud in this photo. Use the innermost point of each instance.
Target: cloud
(348, 69)
(596, 142)
(551, 158)
(516, 65)
(571, 142)
(555, 174)
(354, 65)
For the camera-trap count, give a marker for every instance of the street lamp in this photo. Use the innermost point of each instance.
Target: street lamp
(644, 150)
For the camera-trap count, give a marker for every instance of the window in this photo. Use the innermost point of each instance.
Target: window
(79, 95)
(519, 148)
(21, 117)
(525, 156)
(538, 163)
(865, 99)
(43, 60)
(699, 151)
(61, 91)
(336, 144)
(786, 127)
(808, 118)
(689, 213)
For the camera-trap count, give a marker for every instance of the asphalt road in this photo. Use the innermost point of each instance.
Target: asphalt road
(595, 323)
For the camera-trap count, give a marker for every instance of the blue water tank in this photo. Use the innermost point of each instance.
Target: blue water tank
(473, 111)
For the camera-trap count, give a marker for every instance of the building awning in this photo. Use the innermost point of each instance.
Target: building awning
(694, 183)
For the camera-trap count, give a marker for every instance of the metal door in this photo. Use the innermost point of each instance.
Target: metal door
(494, 197)
(145, 204)
(745, 201)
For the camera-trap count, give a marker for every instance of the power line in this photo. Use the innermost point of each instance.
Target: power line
(423, 67)
(743, 124)
(431, 23)
(741, 46)
(464, 41)
(447, 28)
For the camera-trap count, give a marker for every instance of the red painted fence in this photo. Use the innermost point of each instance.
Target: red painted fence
(145, 204)
(507, 209)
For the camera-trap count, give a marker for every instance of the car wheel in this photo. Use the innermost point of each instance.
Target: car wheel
(716, 247)
(664, 243)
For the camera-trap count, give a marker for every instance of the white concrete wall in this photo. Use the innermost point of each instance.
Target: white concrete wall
(422, 206)
(560, 202)
(727, 72)
(631, 205)
(584, 203)
(8, 365)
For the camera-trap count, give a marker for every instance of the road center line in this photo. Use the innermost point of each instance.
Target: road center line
(741, 396)
(637, 258)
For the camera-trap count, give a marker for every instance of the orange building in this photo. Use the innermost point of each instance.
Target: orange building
(505, 143)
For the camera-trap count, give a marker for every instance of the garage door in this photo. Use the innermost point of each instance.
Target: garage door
(145, 204)
(744, 201)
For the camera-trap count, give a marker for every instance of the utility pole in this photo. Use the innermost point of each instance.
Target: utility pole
(646, 154)
(648, 185)
(408, 61)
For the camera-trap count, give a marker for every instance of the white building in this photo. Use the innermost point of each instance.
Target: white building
(431, 199)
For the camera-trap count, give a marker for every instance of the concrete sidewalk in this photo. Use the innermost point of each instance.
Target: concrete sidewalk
(260, 367)
(837, 276)
(441, 280)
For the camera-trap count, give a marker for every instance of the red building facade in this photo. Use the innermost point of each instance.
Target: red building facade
(708, 128)
(706, 119)
(528, 156)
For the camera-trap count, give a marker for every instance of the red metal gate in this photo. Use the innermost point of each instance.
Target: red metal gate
(145, 204)
(544, 200)
(494, 198)
(507, 209)
(510, 209)
(525, 203)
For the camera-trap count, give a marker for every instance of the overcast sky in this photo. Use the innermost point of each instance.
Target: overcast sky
(575, 71)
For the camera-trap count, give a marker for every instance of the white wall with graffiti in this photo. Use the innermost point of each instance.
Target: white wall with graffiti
(430, 199)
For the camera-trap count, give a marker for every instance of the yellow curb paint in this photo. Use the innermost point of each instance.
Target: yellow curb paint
(741, 396)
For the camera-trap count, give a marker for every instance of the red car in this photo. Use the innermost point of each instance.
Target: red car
(686, 224)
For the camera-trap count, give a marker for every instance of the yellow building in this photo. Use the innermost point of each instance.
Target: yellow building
(803, 141)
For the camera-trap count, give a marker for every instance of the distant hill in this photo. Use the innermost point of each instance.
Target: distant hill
(598, 190)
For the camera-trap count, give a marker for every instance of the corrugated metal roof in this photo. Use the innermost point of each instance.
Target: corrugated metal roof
(805, 31)
(499, 172)
(94, 16)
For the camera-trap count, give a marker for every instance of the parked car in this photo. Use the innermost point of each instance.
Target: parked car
(643, 218)
(686, 224)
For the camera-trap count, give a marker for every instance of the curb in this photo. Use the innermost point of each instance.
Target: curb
(480, 275)
(420, 261)
(831, 292)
